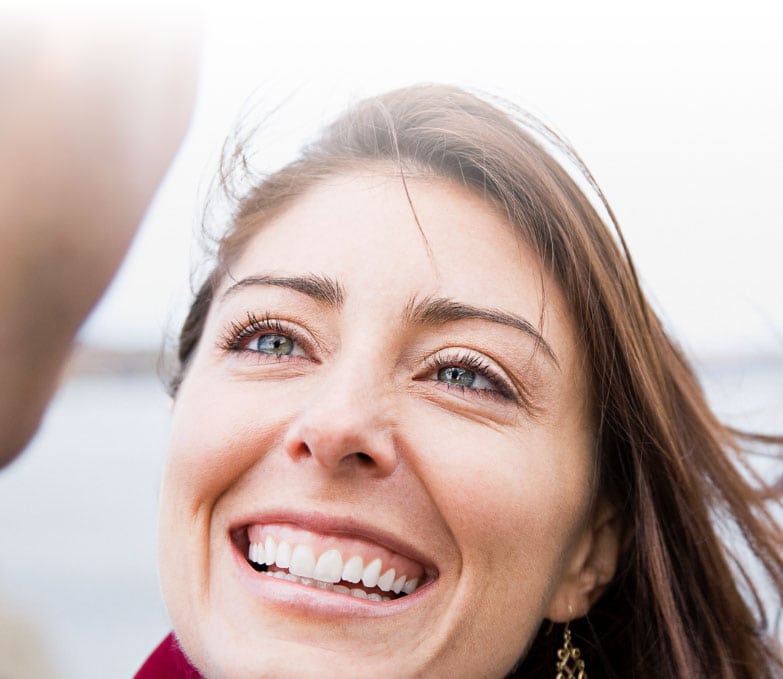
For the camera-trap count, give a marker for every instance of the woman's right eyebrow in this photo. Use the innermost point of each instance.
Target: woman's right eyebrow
(322, 289)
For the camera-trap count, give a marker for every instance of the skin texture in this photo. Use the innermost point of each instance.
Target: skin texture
(94, 108)
(357, 426)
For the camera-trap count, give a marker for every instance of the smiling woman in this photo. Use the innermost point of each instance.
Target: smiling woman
(424, 415)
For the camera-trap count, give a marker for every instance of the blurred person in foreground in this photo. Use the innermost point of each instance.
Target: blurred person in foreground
(95, 104)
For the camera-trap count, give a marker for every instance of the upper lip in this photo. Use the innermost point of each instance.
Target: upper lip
(325, 524)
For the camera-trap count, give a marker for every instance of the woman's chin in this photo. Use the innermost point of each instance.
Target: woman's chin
(290, 640)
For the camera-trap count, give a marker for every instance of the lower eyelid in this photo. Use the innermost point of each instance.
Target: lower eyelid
(494, 394)
(491, 385)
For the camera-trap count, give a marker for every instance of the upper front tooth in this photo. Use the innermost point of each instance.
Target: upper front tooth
(398, 584)
(270, 549)
(329, 567)
(371, 573)
(353, 570)
(302, 561)
(386, 581)
(283, 556)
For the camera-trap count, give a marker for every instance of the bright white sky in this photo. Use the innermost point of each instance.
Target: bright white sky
(676, 108)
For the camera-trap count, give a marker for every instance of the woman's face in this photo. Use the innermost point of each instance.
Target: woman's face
(363, 401)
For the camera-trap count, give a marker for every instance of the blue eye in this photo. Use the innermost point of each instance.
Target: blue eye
(469, 372)
(456, 376)
(267, 337)
(273, 344)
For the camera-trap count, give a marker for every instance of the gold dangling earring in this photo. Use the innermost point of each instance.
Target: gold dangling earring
(569, 663)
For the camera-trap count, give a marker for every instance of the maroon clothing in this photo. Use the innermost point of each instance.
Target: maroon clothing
(168, 662)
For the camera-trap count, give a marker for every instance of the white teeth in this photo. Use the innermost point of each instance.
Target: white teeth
(359, 593)
(283, 556)
(353, 569)
(371, 573)
(410, 585)
(302, 561)
(374, 596)
(329, 567)
(386, 581)
(302, 567)
(256, 553)
(270, 549)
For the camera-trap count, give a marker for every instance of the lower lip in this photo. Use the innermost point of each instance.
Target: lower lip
(292, 596)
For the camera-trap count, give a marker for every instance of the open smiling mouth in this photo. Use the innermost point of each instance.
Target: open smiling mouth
(342, 565)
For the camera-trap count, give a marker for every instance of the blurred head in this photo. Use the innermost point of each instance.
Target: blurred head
(415, 394)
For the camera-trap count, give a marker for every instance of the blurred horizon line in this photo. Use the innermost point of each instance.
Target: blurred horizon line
(96, 360)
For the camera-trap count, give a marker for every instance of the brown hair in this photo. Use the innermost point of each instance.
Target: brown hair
(675, 608)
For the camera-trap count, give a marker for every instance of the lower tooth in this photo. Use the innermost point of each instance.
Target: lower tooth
(339, 589)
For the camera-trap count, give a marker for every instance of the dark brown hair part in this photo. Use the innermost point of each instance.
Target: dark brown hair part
(675, 608)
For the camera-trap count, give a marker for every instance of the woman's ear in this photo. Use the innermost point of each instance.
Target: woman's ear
(592, 565)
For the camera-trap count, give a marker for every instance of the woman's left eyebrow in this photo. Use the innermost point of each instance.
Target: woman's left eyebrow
(438, 311)
(322, 289)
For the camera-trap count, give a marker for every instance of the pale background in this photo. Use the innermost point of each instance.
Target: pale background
(676, 109)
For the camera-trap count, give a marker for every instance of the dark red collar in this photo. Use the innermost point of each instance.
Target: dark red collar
(168, 662)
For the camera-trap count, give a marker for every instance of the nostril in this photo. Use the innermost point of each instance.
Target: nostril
(364, 459)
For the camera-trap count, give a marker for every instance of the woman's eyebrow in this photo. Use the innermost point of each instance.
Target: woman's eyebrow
(438, 311)
(324, 290)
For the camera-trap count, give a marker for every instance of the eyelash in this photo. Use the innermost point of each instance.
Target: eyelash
(501, 388)
(237, 335)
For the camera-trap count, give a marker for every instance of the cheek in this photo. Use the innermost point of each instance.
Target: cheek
(217, 434)
(514, 500)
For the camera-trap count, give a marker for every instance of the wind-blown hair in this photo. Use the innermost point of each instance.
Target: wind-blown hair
(676, 475)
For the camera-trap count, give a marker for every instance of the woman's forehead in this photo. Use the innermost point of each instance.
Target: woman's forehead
(428, 235)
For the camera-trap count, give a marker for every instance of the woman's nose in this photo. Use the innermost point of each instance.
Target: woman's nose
(346, 427)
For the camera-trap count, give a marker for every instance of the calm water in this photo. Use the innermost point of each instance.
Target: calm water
(78, 586)
(78, 533)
